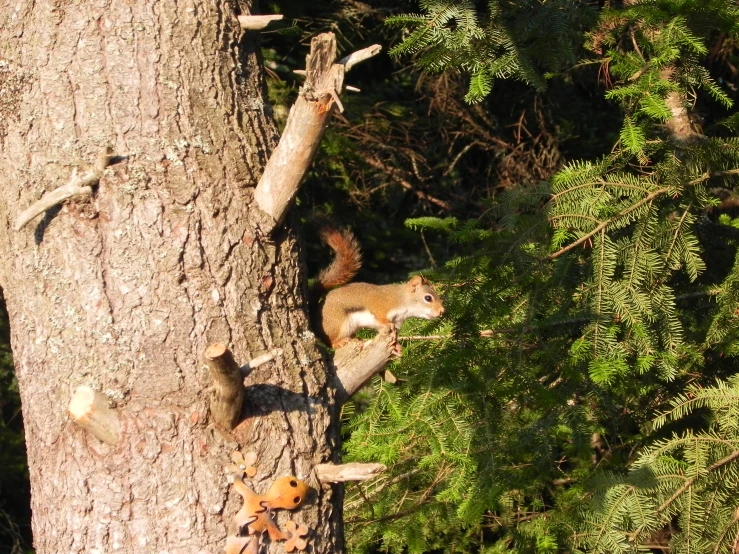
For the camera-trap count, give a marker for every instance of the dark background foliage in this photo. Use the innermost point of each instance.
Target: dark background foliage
(15, 491)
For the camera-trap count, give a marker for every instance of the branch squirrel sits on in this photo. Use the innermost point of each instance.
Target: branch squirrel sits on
(356, 306)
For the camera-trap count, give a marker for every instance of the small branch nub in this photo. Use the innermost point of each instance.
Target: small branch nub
(89, 409)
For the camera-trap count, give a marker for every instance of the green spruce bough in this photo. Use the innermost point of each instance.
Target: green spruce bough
(580, 310)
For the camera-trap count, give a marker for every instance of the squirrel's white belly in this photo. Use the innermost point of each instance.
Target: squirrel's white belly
(363, 320)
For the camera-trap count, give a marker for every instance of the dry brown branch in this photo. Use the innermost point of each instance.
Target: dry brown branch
(425, 337)
(89, 409)
(228, 386)
(392, 173)
(305, 126)
(340, 473)
(78, 185)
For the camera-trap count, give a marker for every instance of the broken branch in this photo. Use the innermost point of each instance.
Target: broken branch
(305, 126)
(79, 185)
(359, 56)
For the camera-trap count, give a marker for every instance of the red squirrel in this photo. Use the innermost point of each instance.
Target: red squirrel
(356, 306)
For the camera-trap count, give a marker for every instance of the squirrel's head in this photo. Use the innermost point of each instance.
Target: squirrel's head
(426, 300)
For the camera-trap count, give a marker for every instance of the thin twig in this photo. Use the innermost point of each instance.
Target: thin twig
(425, 337)
(259, 360)
(351, 504)
(707, 175)
(461, 153)
(393, 174)
(432, 261)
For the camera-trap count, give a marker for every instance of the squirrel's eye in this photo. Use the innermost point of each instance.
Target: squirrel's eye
(428, 298)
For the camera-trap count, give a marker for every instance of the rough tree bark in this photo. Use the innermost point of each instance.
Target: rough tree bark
(123, 291)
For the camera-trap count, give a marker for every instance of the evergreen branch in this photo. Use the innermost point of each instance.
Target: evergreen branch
(622, 498)
(580, 216)
(587, 185)
(621, 184)
(601, 280)
(676, 234)
(635, 257)
(722, 536)
(689, 483)
(707, 175)
(607, 222)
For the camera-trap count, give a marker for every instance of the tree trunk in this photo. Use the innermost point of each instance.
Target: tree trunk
(124, 290)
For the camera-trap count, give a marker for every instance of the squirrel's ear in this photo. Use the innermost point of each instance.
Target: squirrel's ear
(416, 281)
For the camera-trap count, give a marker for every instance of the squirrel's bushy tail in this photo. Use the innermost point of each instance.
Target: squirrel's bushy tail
(346, 263)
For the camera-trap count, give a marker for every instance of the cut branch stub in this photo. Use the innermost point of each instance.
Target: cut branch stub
(89, 409)
(305, 126)
(228, 386)
(358, 361)
(257, 22)
(355, 471)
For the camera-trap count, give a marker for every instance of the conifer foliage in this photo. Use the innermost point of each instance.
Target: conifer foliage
(580, 308)
(511, 40)
(687, 481)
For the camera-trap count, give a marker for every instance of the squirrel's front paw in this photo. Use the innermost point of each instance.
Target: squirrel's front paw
(339, 343)
(397, 350)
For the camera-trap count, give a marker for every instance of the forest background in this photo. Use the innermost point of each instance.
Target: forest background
(566, 172)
